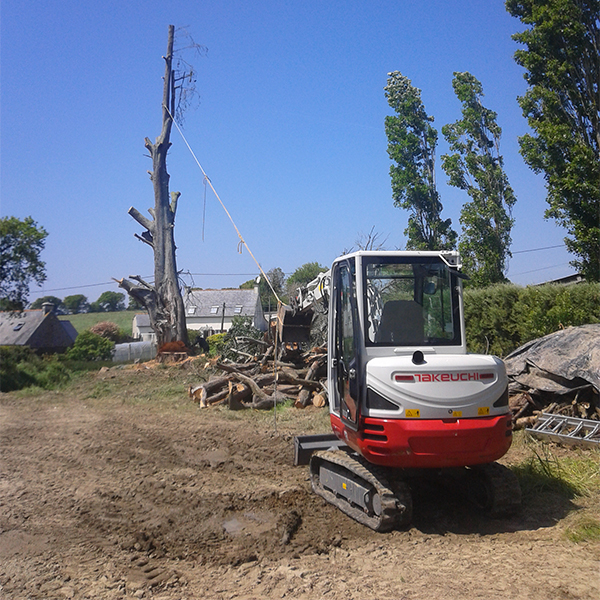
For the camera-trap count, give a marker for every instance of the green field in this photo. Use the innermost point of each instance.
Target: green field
(123, 318)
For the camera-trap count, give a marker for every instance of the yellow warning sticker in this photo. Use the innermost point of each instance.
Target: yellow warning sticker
(344, 485)
(413, 413)
(483, 410)
(457, 413)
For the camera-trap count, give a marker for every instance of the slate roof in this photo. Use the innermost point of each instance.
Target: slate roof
(33, 328)
(205, 302)
(142, 320)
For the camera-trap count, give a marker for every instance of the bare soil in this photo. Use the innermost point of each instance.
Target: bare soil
(120, 487)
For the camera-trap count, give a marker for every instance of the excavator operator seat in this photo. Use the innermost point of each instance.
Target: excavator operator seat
(401, 323)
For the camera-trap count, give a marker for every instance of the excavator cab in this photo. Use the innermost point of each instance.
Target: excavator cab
(403, 391)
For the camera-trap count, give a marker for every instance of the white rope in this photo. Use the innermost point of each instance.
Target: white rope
(207, 179)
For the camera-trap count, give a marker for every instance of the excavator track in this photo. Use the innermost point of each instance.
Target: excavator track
(495, 489)
(359, 489)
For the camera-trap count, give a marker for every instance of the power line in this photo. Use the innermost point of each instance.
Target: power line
(89, 285)
(537, 249)
(541, 269)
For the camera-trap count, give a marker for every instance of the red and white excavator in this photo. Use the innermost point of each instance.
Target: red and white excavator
(405, 397)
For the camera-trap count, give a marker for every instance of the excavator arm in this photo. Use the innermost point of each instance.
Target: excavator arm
(294, 320)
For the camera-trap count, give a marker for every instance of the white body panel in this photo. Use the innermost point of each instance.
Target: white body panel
(444, 386)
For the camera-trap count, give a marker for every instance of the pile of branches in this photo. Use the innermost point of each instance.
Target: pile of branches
(262, 383)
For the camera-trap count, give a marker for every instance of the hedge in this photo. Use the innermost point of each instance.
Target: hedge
(501, 318)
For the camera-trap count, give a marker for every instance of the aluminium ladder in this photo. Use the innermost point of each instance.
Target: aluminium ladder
(569, 430)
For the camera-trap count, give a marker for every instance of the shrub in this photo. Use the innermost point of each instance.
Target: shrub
(488, 316)
(109, 330)
(20, 367)
(90, 346)
(241, 327)
(217, 344)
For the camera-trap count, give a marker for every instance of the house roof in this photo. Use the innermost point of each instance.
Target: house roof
(35, 329)
(207, 303)
(142, 320)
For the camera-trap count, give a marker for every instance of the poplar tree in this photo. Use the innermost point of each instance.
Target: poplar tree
(476, 166)
(412, 141)
(562, 105)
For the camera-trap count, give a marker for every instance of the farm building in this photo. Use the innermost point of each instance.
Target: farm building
(41, 330)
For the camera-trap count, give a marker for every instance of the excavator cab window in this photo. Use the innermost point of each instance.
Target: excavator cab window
(411, 303)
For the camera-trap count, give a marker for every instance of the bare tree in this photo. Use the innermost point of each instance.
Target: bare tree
(368, 241)
(163, 299)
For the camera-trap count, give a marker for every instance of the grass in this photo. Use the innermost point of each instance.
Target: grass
(585, 529)
(570, 473)
(551, 475)
(81, 322)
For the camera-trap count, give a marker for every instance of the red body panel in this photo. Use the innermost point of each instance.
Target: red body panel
(428, 443)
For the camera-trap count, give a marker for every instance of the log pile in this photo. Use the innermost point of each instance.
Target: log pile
(264, 383)
(526, 406)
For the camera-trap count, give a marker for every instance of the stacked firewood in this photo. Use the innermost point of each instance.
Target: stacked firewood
(526, 406)
(263, 383)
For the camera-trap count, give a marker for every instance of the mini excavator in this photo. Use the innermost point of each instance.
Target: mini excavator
(405, 397)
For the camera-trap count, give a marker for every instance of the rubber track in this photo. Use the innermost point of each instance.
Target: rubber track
(390, 509)
(504, 488)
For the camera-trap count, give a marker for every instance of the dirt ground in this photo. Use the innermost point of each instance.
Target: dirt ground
(107, 492)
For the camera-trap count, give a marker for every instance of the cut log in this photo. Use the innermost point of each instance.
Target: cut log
(216, 398)
(236, 394)
(319, 400)
(268, 402)
(235, 367)
(268, 355)
(289, 377)
(304, 398)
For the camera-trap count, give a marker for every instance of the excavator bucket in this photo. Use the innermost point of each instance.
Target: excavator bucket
(293, 326)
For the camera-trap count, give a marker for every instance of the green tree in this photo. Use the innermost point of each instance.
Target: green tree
(77, 303)
(562, 106)
(412, 141)
(109, 302)
(303, 275)
(477, 167)
(56, 302)
(268, 300)
(21, 243)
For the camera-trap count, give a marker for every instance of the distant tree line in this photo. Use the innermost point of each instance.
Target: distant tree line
(78, 303)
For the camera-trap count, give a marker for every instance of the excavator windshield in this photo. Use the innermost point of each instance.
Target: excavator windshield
(410, 301)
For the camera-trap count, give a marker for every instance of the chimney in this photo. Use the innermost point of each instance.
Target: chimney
(48, 307)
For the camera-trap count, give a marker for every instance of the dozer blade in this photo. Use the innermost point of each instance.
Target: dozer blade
(293, 326)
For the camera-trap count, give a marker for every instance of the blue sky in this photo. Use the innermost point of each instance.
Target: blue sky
(290, 130)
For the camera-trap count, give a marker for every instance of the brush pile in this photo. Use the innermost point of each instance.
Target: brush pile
(262, 383)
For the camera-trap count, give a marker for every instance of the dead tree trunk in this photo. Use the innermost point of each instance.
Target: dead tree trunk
(162, 300)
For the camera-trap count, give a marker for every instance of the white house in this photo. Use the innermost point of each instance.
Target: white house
(211, 311)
